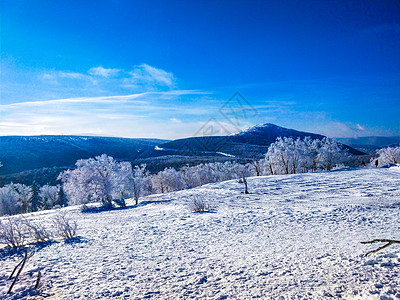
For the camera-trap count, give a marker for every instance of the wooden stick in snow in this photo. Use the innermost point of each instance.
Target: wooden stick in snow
(389, 242)
(19, 272)
(15, 269)
(37, 280)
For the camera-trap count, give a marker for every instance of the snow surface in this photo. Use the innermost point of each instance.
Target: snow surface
(226, 154)
(294, 236)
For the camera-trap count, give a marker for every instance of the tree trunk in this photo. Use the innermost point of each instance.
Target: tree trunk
(245, 185)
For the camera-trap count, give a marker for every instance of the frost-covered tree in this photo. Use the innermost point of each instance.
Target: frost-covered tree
(198, 175)
(283, 156)
(256, 165)
(223, 171)
(331, 153)
(94, 180)
(132, 182)
(9, 204)
(158, 183)
(123, 181)
(191, 176)
(215, 172)
(168, 180)
(269, 164)
(15, 199)
(25, 194)
(75, 184)
(49, 195)
(289, 156)
(309, 156)
(141, 182)
(389, 155)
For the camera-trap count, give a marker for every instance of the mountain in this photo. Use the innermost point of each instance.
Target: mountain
(265, 134)
(41, 158)
(20, 153)
(249, 143)
(370, 144)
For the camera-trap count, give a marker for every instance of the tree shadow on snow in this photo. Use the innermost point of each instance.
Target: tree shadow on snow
(210, 211)
(152, 202)
(75, 240)
(99, 209)
(8, 252)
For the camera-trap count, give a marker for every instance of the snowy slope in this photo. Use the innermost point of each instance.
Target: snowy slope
(292, 236)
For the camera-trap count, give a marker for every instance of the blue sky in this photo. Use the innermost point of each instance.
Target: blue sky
(165, 68)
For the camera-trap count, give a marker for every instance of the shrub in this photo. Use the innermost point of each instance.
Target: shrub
(65, 227)
(199, 205)
(38, 232)
(12, 232)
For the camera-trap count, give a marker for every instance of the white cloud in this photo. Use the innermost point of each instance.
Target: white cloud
(93, 100)
(103, 72)
(72, 75)
(54, 75)
(102, 81)
(136, 115)
(360, 127)
(145, 75)
(175, 120)
(337, 129)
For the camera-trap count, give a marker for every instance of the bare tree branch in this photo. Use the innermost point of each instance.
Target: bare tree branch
(19, 272)
(389, 242)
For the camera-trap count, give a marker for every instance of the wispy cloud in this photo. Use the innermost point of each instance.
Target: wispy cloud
(323, 123)
(160, 114)
(96, 81)
(93, 100)
(342, 129)
(145, 75)
(137, 115)
(103, 72)
(141, 78)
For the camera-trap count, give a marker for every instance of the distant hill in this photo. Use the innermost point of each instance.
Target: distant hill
(41, 158)
(21, 153)
(370, 144)
(250, 143)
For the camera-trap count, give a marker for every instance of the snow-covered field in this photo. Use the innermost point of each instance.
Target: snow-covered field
(292, 237)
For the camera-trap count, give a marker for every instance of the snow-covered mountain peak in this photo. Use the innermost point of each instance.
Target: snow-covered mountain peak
(258, 127)
(266, 128)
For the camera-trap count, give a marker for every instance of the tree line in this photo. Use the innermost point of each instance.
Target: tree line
(110, 182)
